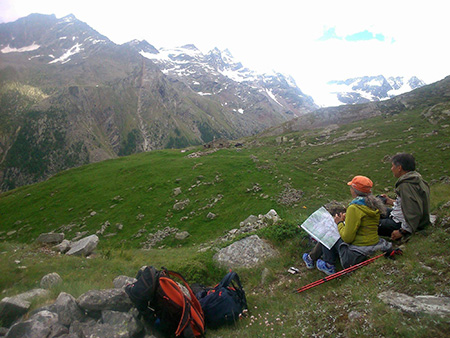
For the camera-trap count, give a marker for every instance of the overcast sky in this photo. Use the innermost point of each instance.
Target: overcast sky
(314, 41)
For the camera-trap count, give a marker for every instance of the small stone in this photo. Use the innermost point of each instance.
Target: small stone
(353, 315)
(177, 191)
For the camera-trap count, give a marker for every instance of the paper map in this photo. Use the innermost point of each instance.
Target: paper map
(321, 226)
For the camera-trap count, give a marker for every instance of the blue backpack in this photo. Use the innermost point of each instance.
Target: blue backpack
(224, 303)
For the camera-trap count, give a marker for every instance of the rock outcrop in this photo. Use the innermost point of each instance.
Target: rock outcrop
(247, 253)
(96, 313)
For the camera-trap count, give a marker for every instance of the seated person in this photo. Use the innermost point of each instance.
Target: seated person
(358, 228)
(410, 210)
(310, 258)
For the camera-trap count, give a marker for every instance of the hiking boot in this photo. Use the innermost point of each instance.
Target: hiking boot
(308, 261)
(325, 267)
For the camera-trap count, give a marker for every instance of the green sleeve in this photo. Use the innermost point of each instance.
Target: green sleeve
(352, 223)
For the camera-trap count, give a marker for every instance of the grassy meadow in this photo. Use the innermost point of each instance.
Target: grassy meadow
(137, 192)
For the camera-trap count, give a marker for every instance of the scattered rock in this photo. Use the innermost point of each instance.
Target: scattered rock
(158, 236)
(256, 188)
(247, 252)
(211, 215)
(50, 280)
(50, 238)
(290, 196)
(182, 235)
(418, 304)
(93, 213)
(103, 228)
(84, 246)
(181, 205)
(62, 247)
(177, 191)
(252, 219)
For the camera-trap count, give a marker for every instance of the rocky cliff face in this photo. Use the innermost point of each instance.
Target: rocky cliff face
(70, 96)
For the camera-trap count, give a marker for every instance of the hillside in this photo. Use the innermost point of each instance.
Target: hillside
(293, 173)
(70, 96)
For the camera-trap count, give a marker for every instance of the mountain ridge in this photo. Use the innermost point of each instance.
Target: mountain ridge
(370, 88)
(99, 100)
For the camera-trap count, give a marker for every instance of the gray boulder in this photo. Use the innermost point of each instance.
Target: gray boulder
(108, 299)
(41, 324)
(50, 238)
(247, 252)
(67, 309)
(50, 280)
(84, 247)
(122, 281)
(12, 308)
(418, 304)
(124, 322)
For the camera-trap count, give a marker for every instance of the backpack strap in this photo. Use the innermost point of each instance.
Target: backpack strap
(232, 280)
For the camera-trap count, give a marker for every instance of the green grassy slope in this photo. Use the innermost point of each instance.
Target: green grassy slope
(137, 192)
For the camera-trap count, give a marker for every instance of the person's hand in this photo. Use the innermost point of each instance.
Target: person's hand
(339, 217)
(396, 234)
(389, 200)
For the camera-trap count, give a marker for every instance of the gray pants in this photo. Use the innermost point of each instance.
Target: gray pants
(346, 256)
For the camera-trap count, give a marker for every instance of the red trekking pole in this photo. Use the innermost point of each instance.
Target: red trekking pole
(388, 254)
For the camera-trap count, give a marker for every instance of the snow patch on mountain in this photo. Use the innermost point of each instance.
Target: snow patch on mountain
(66, 56)
(272, 96)
(29, 48)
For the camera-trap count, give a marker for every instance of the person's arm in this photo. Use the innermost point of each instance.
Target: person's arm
(348, 229)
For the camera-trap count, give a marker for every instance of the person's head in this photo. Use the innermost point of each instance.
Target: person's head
(402, 163)
(360, 186)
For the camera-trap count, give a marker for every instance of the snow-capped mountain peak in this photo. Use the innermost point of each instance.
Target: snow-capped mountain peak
(369, 88)
(218, 74)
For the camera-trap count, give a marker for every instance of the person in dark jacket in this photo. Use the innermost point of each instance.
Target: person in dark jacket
(411, 208)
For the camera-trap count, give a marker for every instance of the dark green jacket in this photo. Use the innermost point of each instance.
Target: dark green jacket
(415, 199)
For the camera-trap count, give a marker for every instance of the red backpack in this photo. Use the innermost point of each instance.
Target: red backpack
(172, 307)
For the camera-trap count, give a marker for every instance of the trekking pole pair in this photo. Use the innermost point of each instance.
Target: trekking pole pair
(388, 254)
